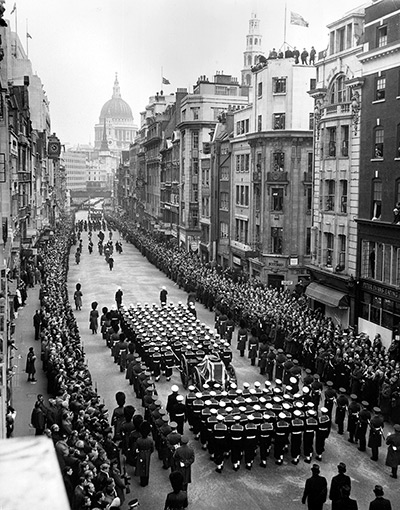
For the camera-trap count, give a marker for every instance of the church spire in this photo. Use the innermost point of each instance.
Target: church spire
(104, 143)
(253, 48)
(116, 90)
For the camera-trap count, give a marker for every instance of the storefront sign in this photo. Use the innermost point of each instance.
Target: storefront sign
(276, 263)
(237, 261)
(382, 291)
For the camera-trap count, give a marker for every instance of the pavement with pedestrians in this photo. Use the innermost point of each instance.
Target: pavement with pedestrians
(277, 487)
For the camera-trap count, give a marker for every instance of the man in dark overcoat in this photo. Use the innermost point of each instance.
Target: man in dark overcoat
(315, 490)
(182, 461)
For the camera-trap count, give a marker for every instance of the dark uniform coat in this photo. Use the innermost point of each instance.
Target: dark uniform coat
(182, 461)
(393, 451)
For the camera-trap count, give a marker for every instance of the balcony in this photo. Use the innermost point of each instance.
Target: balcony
(335, 109)
(277, 176)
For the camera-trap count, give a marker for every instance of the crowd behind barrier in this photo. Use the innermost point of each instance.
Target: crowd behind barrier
(75, 419)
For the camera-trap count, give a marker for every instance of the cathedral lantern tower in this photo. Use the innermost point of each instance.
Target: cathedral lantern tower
(253, 49)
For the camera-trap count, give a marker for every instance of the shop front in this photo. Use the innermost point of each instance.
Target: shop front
(331, 302)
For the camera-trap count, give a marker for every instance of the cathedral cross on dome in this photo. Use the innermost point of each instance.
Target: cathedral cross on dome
(116, 90)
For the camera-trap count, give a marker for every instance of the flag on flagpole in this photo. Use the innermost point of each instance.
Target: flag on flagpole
(14, 8)
(165, 81)
(297, 19)
(28, 35)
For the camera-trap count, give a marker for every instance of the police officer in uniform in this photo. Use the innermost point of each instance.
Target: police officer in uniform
(352, 417)
(375, 433)
(179, 413)
(364, 418)
(329, 397)
(341, 405)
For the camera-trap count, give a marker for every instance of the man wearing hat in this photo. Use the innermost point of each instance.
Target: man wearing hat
(171, 400)
(375, 433)
(315, 490)
(379, 503)
(182, 461)
(337, 483)
(341, 405)
(179, 413)
(393, 452)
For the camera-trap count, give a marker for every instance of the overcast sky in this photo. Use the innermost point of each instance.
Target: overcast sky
(77, 46)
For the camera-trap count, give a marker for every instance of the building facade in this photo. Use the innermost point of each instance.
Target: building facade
(378, 275)
(200, 113)
(271, 180)
(337, 94)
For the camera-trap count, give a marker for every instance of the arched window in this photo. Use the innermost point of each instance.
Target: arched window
(251, 41)
(255, 40)
(248, 79)
(339, 92)
(249, 60)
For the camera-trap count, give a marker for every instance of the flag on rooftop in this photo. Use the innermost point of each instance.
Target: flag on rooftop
(297, 19)
(165, 81)
(14, 8)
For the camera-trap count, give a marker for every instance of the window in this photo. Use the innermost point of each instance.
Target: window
(277, 199)
(260, 89)
(376, 200)
(277, 240)
(278, 121)
(205, 207)
(195, 193)
(339, 92)
(242, 231)
(382, 36)
(378, 145)
(205, 176)
(279, 85)
(311, 121)
(223, 230)
(259, 123)
(224, 201)
(345, 141)
(343, 196)
(195, 113)
(332, 141)
(380, 88)
(195, 139)
(308, 241)
(243, 163)
(309, 162)
(242, 196)
(278, 161)
(397, 155)
(308, 198)
(329, 240)
(330, 195)
(342, 252)
(341, 39)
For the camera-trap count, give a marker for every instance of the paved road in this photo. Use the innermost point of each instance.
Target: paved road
(277, 487)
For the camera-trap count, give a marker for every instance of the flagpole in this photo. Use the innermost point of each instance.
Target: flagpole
(27, 47)
(284, 26)
(161, 79)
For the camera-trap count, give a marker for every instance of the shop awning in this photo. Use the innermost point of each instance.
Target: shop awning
(327, 295)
